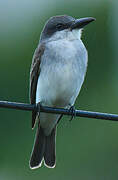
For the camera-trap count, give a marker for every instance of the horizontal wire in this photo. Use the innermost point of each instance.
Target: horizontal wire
(80, 113)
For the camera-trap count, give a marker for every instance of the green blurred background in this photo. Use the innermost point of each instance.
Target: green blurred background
(87, 149)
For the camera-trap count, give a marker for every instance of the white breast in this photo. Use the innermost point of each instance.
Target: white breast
(63, 68)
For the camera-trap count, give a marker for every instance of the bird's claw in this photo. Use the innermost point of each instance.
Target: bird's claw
(38, 109)
(73, 112)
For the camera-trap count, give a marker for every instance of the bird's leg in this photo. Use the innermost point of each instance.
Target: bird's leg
(38, 108)
(72, 110)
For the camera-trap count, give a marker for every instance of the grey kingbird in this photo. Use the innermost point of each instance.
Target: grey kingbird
(57, 73)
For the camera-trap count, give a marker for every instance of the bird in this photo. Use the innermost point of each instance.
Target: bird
(57, 73)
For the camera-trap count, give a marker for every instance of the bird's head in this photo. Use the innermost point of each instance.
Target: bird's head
(59, 26)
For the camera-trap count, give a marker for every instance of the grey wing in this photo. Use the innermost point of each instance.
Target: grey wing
(34, 74)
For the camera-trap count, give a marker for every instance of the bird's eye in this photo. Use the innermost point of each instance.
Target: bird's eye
(59, 26)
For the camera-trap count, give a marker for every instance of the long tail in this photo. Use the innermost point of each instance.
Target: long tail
(44, 147)
(50, 149)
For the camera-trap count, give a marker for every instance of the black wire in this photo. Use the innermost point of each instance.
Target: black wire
(81, 113)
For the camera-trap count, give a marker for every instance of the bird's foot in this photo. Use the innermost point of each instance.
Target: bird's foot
(73, 111)
(38, 109)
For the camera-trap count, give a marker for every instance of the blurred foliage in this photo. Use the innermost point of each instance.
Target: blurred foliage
(86, 149)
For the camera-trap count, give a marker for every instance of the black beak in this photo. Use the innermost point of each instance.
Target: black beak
(80, 23)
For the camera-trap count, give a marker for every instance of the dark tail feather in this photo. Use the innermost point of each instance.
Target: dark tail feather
(34, 113)
(50, 154)
(38, 150)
